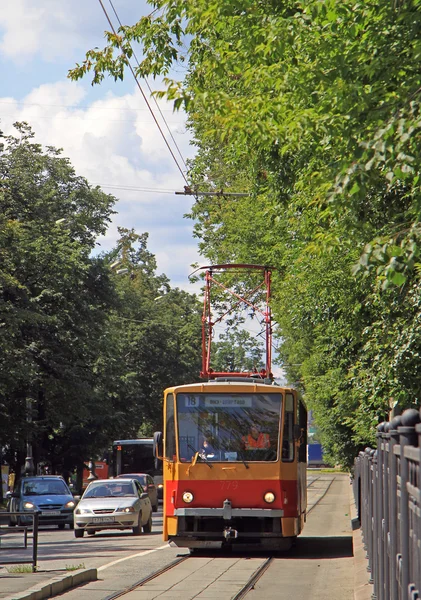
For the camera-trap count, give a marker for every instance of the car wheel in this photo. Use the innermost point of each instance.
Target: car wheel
(155, 508)
(12, 523)
(79, 533)
(137, 530)
(71, 525)
(90, 531)
(62, 525)
(147, 528)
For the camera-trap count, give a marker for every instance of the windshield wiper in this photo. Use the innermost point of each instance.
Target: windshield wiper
(196, 456)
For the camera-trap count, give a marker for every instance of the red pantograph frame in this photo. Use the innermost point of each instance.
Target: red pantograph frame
(207, 324)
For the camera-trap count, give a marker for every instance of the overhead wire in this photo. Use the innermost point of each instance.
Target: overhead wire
(144, 95)
(149, 88)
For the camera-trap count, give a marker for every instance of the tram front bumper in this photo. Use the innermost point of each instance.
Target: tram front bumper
(227, 513)
(213, 527)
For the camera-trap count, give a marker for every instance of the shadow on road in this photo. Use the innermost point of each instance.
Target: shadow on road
(319, 548)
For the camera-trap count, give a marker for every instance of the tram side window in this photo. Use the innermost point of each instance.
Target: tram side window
(170, 449)
(288, 433)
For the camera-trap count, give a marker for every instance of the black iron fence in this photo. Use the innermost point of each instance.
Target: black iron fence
(387, 492)
(14, 539)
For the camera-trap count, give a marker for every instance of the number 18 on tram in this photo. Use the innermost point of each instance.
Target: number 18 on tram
(234, 464)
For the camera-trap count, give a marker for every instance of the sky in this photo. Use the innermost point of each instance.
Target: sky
(106, 131)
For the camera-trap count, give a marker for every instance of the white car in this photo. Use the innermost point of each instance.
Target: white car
(113, 504)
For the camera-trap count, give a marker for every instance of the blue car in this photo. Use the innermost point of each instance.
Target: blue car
(48, 495)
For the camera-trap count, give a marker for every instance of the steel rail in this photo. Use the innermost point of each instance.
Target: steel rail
(148, 578)
(239, 595)
(253, 579)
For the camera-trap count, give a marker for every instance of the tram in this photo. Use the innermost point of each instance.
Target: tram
(234, 451)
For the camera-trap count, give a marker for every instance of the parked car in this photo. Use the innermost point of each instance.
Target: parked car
(49, 495)
(113, 504)
(148, 484)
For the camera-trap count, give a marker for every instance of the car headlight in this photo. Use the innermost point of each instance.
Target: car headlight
(83, 511)
(160, 485)
(70, 504)
(127, 509)
(269, 497)
(188, 497)
(28, 506)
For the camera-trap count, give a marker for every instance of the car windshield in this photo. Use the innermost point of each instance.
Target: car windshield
(44, 487)
(109, 490)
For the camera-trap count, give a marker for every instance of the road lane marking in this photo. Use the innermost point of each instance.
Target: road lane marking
(114, 562)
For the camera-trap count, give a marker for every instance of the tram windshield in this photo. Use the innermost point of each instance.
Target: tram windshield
(229, 427)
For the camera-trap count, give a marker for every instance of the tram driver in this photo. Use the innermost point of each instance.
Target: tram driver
(206, 451)
(256, 438)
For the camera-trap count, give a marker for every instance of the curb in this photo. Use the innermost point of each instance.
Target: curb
(56, 586)
(363, 589)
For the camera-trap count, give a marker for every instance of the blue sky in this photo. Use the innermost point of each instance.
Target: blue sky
(106, 131)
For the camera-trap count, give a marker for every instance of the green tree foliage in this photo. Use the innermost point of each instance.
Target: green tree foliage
(157, 332)
(84, 353)
(313, 108)
(237, 351)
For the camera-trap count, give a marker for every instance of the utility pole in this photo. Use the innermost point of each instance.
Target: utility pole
(29, 460)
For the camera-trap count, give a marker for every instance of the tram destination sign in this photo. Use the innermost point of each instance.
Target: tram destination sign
(220, 402)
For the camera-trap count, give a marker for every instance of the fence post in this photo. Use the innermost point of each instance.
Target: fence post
(407, 438)
(35, 541)
(370, 512)
(384, 439)
(393, 507)
(418, 553)
(379, 516)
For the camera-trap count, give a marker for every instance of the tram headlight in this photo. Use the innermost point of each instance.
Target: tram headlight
(269, 497)
(188, 497)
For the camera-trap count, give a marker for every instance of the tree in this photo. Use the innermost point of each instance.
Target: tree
(52, 293)
(237, 351)
(313, 108)
(157, 332)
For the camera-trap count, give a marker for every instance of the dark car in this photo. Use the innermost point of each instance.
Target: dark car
(148, 484)
(49, 495)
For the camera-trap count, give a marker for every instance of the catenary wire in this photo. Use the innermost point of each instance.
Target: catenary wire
(144, 95)
(149, 88)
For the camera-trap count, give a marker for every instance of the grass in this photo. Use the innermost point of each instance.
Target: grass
(75, 567)
(19, 569)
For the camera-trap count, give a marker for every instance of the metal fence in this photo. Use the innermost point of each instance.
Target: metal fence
(6, 532)
(387, 494)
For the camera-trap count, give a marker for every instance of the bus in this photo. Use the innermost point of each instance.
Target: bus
(137, 456)
(237, 494)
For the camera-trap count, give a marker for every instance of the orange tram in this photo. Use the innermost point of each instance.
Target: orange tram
(234, 451)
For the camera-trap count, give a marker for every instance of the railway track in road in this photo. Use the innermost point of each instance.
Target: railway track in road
(226, 576)
(193, 575)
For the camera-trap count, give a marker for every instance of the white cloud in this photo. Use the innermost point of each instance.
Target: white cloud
(114, 142)
(48, 28)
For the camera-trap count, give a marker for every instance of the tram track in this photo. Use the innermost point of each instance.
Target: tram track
(239, 595)
(148, 578)
(193, 563)
(253, 580)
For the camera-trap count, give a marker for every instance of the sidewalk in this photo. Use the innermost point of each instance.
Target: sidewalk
(44, 584)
